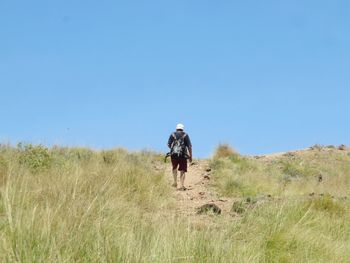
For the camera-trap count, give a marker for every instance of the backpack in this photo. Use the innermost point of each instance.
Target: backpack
(178, 147)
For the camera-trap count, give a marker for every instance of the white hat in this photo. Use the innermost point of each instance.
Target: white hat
(180, 126)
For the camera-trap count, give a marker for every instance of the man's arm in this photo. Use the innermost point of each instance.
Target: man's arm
(170, 141)
(189, 147)
(190, 152)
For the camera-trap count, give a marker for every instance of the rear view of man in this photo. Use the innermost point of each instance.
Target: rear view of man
(180, 150)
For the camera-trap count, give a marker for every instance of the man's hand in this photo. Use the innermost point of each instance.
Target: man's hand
(190, 159)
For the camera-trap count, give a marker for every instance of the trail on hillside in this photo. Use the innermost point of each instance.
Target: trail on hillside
(199, 190)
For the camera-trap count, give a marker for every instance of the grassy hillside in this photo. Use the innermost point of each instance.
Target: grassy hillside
(79, 205)
(294, 206)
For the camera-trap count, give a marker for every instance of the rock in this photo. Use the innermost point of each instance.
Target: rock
(207, 177)
(289, 155)
(343, 147)
(258, 198)
(201, 193)
(208, 170)
(320, 178)
(209, 208)
(317, 147)
(251, 200)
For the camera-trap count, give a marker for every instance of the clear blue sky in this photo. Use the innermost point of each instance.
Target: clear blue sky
(264, 76)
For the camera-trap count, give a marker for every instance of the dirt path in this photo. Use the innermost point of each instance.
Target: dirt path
(199, 192)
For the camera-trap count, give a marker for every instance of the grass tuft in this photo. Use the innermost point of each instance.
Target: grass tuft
(225, 151)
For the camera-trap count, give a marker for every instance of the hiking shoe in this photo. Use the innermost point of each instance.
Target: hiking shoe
(182, 188)
(174, 185)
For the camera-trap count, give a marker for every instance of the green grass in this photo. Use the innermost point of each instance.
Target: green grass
(79, 205)
(304, 220)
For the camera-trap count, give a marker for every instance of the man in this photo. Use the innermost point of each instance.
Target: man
(180, 150)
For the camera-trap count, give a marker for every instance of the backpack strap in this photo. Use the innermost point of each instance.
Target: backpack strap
(174, 139)
(183, 136)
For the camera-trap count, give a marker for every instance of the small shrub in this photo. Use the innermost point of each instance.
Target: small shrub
(34, 157)
(224, 151)
(238, 207)
(328, 204)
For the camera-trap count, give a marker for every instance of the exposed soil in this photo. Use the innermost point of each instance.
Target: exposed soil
(199, 191)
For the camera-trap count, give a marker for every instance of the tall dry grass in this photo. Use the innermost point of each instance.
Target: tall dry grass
(79, 205)
(295, 205)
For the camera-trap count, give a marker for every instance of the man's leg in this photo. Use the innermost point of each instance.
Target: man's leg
(175, 177)
(183, 170)
(174, 164)
(182, 179)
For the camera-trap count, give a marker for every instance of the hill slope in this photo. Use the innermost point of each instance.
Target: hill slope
(79, 205)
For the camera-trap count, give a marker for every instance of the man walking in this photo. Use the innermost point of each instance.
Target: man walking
(180, 150)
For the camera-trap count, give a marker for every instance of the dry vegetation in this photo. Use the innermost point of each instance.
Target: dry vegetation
(79, 205)
(294, 206)
(224, 151)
